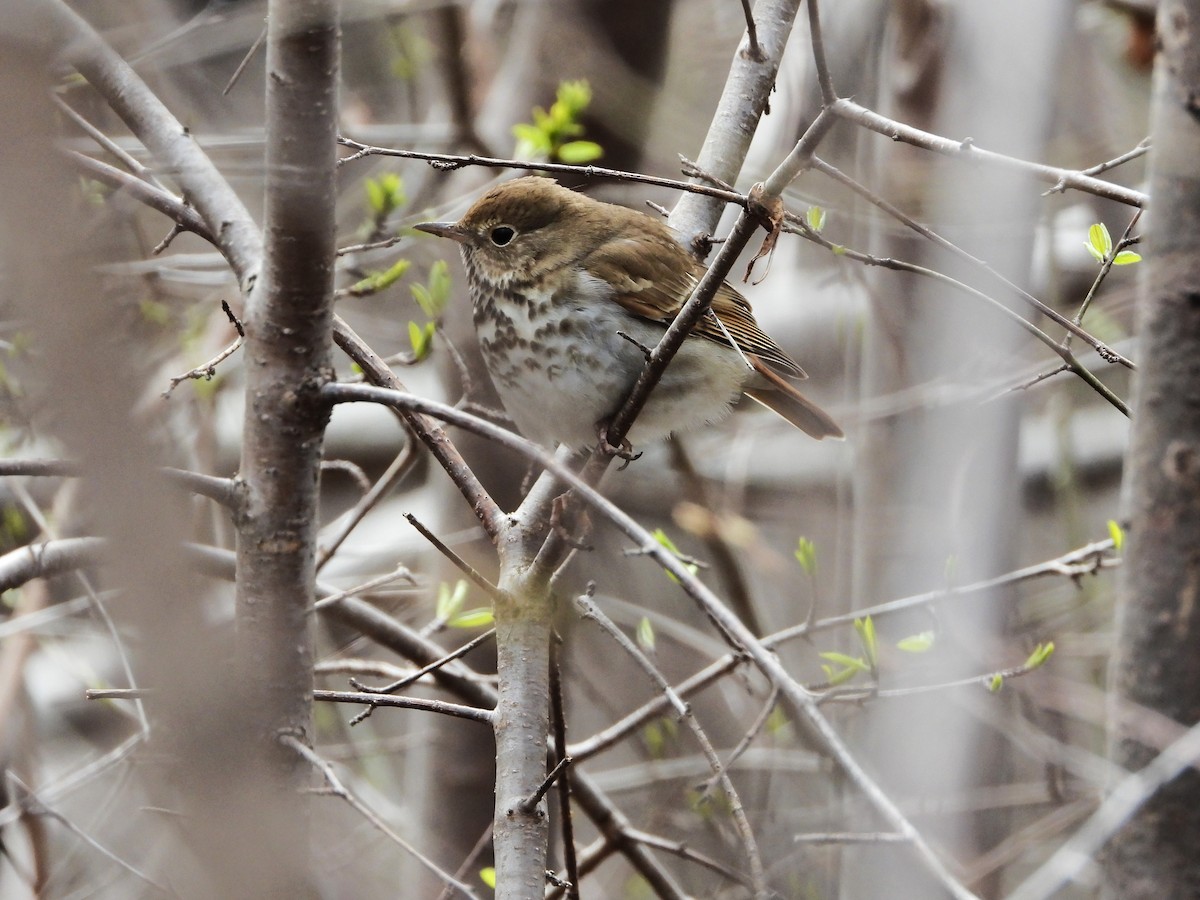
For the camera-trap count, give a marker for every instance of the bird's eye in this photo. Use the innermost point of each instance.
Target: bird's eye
(502, 234)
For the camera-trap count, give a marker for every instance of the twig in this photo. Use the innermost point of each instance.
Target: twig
(108, 144)
(426, 669)
(99, 607)
(530, 803)
(472, 713)
(144, 192)
(971, 152)
(747, 739)
(448, 161)
(854, 837)
(1105, 268)
(678, 848)
(755, 51)
(1012, 315)
(757, 873)
(463, 566)
(53, 468)
(558, 724)
(31, 804)
(345, 524)
(339, 790)
(1141, 149)
(371, 245)
(1130, 793)
(398, 574)
(1049, 312)
(205, 370)
(241, 67)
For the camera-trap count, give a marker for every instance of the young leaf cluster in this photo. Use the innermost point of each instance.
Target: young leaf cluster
(554, 135)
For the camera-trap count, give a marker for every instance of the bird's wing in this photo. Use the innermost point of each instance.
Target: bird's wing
(653, 276)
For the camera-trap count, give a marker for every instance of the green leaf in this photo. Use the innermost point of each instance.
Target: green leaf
(433, 296)
(531, 134)
(916, 643)
(488, 876)
(450, 599)
(842, 659)
(483, 617)
(1127, 258)
(814, 216)
(645, 635)
(657, 734)
(379, 281)
(777, 721)
(996, 683)
(1040, 654)
(575, 95)
(578, 152)
(838, 676)
(1099, 242)
(806, 555)
(1117, 533)
(385, 194)
(950, 569)
(669, 545)
(866, 633)
(421, 338)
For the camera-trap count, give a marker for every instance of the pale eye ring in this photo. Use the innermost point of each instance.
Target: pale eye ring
(502, 234)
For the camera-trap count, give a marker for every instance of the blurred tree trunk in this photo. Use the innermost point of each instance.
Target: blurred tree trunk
(938, 491)
(1157, 664)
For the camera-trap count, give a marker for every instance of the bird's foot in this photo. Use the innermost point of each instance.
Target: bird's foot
(624, 451)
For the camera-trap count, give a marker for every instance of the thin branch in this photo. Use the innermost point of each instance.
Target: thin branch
(969, 152)
(420, 673)
(530, 803)
(558, 725)
(720, 773)
(683, 851)
(339, 790)
(32, 805)
(1129, 795)
(51, 468)
(471, 713)
(855, 837)
(820, 63)
(1140, 150)
(427, 430)
(1049, 312)
(461, 564)
(1105, 268)
(144, 192)
(398, 574)
(450, 161)
(108, 144)
(206, 370)
(233, 229)
(754, 50)
(1071, 361)
(345, 524)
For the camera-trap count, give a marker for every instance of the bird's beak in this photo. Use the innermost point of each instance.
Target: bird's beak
(450, 230)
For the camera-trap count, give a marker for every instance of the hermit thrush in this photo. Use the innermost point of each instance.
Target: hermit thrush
(567, 291)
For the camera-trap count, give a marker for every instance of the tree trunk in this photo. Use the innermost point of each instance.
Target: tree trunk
(1157, 664)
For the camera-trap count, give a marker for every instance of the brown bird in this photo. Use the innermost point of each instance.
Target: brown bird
(567, 290)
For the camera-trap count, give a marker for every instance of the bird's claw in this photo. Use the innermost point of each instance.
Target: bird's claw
(624, 451)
